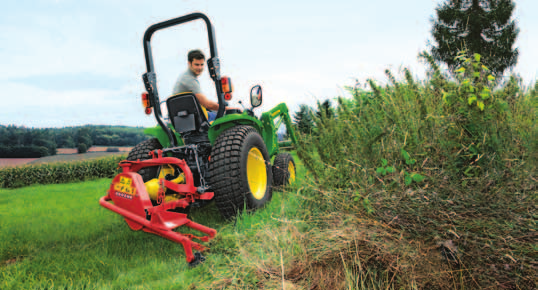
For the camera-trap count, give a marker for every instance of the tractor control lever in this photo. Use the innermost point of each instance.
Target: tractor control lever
(249, 111)
(241, 103)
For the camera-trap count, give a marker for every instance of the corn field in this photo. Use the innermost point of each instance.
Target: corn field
(51, 173)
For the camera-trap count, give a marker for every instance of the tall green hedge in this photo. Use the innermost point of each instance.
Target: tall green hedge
(30, 151)
(13, 177)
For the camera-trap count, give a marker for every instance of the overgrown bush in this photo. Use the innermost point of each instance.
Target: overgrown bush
(49, 173)
(447, 163)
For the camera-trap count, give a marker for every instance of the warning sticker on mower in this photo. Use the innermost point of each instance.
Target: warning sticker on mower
(125, 180)
(124, 188)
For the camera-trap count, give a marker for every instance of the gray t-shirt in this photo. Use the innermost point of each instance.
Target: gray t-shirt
(187, 82)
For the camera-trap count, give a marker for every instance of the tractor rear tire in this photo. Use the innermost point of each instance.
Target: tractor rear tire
(141, 152)
(240, 171)
(284, 169)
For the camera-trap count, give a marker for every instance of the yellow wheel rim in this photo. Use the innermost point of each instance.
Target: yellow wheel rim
(256, 173)
(291, 170)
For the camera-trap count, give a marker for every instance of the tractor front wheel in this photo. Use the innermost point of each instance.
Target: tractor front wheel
(240, 171)
(283, 169)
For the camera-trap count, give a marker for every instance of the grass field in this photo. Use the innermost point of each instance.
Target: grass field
(58, 237)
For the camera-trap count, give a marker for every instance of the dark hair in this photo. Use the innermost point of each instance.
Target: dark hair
(195, 54)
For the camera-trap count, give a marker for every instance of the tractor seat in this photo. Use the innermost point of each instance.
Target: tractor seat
(187, 115)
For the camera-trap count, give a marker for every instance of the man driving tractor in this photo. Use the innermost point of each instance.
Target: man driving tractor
(188, 82)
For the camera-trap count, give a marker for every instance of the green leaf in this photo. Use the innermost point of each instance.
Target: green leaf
(491, 78)
(503, 105)
(446, 96)
(408, 180)
(417, 177)
(460, 70)
(384, 162)
(381, 171)
(410, 162)
(405, 155)
(477, 57)
(480, 104)
(471, 99)
(391, 169)
(484, 95)
(466, 82)
(485, 68)
(476, 74)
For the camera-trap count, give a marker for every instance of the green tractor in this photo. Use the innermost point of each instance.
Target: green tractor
(230, 156)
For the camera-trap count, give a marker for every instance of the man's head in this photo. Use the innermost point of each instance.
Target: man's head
(196, 61)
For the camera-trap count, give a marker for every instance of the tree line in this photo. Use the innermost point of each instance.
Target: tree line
(23, 142)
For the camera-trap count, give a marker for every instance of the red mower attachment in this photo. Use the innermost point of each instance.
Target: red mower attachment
(132, 201)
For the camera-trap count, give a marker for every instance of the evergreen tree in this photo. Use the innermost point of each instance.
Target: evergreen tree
(303, 119)
(477, 26)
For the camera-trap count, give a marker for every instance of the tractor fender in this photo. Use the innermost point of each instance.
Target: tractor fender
(228, 121)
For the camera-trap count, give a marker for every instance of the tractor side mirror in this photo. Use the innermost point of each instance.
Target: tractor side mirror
(256, 96)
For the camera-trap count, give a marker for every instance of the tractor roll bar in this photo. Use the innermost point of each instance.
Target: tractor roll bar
(150, 79)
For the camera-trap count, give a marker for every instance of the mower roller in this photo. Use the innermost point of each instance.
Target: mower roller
(191, 162)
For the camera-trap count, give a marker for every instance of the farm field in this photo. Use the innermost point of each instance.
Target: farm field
(104, 148)
(9, 162)
(65, 155)
(75, 157)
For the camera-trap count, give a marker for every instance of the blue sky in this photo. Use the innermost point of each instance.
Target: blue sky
(68, 63)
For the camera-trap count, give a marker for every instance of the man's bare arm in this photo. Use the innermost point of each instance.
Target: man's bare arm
(209, 104)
